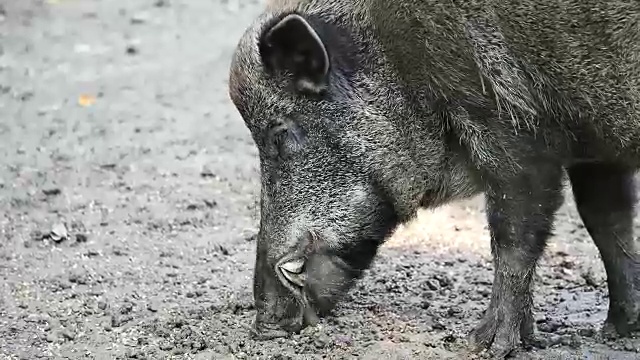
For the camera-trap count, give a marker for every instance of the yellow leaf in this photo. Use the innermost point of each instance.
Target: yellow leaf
(86, 100)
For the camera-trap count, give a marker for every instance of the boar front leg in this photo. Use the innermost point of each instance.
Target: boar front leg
(520, 213)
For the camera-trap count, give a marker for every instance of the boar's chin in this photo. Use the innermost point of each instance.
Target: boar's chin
(329, 279)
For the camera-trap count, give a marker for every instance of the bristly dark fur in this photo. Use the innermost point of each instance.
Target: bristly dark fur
(428, 101)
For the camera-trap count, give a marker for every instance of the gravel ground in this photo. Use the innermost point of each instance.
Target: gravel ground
(129, 187)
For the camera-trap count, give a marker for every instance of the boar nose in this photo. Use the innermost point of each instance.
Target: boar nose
(272, 322)
(277, 312)
(265, 331)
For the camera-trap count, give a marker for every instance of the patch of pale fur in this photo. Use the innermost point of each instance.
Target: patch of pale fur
(455, 227)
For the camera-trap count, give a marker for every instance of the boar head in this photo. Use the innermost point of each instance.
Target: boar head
(336, 171)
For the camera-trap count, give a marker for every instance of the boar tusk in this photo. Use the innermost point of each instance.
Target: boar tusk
(293, 267)
(297, 279)
(292, 271)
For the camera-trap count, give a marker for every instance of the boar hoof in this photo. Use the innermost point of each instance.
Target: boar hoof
(623, 319)
(620, 326)
(500, 333)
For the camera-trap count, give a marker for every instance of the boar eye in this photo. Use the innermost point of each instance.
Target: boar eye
(286, 138)
(279, 136)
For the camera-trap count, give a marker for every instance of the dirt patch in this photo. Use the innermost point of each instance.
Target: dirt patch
(128, 189)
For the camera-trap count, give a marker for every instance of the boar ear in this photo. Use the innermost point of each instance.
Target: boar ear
(293, 46)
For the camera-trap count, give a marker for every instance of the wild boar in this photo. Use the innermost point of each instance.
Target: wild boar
(364, 111)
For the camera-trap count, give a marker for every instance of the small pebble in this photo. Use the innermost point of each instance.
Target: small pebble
(206, 172)
(587, 332)
(550, 326)
(117, 321)
(93, 253)
(404, 338)
(449, 338)
(131, 50)
(192, 207)
(433, 284)
(77, 278)
(38, 235)
(438, 325)
(590, 279)
(59, 232)
(52, 191)
(251, 237)
(211, 203)
(628, 345)
(119, 252)
(139, 19)
(126, 308)
(566, 340)
(34, 318)
(321, 342)
(131, 353)
(545, 342)
(67, 334)
(454, 310)
(575, 341)
(343, 340)
(221, 249)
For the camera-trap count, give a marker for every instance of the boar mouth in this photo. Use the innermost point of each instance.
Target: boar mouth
(296, 286)
(306, 316)
(264, 332)
(307, 313)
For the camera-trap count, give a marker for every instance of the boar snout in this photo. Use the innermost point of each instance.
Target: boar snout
(267, 329)
(277, 310)
(264, 331)
(279, 297)
(301, 287)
